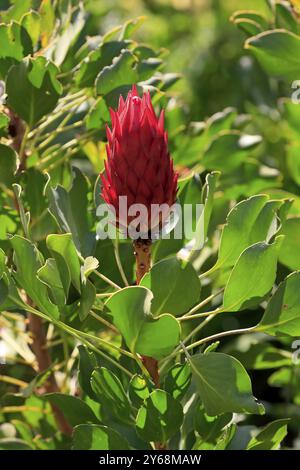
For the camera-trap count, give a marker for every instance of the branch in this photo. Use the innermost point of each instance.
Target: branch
(39, 347)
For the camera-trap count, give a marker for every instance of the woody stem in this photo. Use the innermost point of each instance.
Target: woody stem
(142, 251)
(39, 346)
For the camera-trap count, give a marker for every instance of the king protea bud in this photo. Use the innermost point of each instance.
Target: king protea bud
(138, 162)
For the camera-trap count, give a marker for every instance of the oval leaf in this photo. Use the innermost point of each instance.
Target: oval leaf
(159, 418)
(253, 275)
(175, 286)
(211, 372)
(94, 437)
(130, 311)
(282, 316)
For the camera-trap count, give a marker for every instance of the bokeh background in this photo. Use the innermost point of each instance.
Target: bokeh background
(206, 48)
(199, 41)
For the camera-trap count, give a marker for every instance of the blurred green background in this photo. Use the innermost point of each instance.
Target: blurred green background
(206, 48)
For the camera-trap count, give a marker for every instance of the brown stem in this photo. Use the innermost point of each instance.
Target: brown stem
(16, 132)
(151, 365)
(16, 129)
(142, 251)
(39, 347)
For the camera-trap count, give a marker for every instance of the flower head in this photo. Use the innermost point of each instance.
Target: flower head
(138, 162)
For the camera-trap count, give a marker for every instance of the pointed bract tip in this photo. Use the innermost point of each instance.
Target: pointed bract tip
(134, 90)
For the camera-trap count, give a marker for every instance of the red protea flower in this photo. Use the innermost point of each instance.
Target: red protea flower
(138, 162)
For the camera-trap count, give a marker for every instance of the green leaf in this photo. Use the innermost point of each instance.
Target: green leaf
(208, 191)
(249, 21)
(3, 292)
(69, 33)
(190, 191)
(178, 380)
(15, 41)
(71, 212)
(64, 251)
(121, 72)
(253, 275)
(257, 216)
(87, 299)
(75, 410)
(4, 123)
(105, 252)
(211, 371)
(159, 418)
(49, 275)
(139, 390)
(28, 260)
(143, 334)
(234, 240)
(278, 52)
(287, 378)
(24, 216)
(94, 437)
(163, 81)
(9, 296)
(261, 356)
(221, 121)
(228, 150)
(67, 262)
(147, 67)
(87, 364)
(97, 116)
(2, 262)
(36, 383)
(226, 438)
(248, 25)
(175, 286)
(190, 143)
(293, 160)
(289, 253)
(97, 60)
(109, 390)
(8, 165)
(280, 194)
(33, 182)
(250, 15)
(211, 347)
(270, 436)
(16, 11)
(291, 113)
(47, 13)
(131, 26)
(3, 284)
(33, 89)
(285, 18)
(23, 430)
(31, 21)
(210, 428)
(14, 444)
(282, 316)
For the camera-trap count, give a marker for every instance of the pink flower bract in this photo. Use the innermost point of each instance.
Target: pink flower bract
(138, 162)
